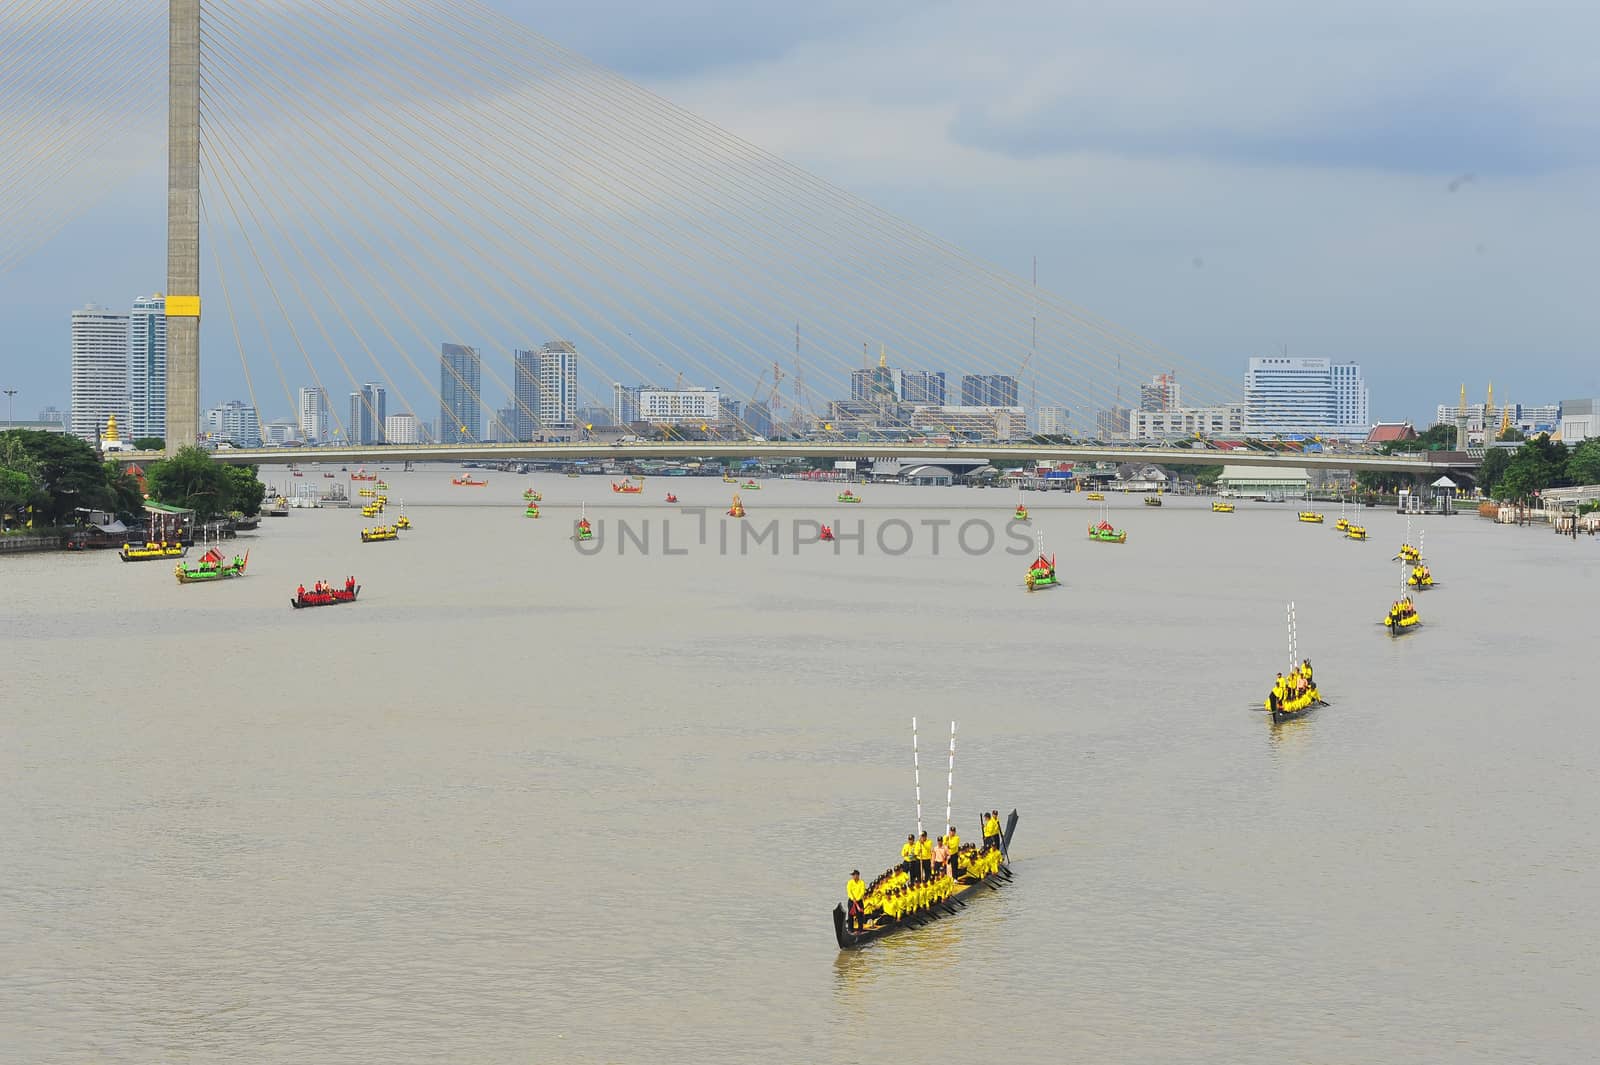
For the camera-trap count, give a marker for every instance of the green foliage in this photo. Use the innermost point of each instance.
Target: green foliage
(1493, 468)
(126, 498)
(1441, 437)
(150, 443)
(1583, 464)
(66, 473)
(1511, 434)
(1208, 476)
(192, 480)
(245, 490)
(1538, 464)
(16, 492)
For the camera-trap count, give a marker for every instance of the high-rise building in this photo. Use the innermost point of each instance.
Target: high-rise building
(875, 384)
(236, 423)
(502, 427)
(1185, 422)
(988, 390)
(680, 406)
(99, 370)
(757, 419)
(525, 395)
(625, 402)
(1052, 420)
(368, 410)
(402, 429)
(1162, 393)
(460, 384)
(595, 416)
(147, 368)
(558, 385)
(281, 433)
(315, 417)
(1112, 424)
(1292, 396)
(923, 388)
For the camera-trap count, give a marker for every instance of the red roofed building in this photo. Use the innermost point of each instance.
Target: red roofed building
(1391, 433)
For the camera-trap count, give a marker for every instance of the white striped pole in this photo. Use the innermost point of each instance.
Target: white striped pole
(1293, 655)
(916, 769)
(950, 784)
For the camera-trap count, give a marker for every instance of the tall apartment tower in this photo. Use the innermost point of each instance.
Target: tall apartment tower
(524, 395)
(99, 371)
(315, 416)
(558, 385)
(147, 368)
(368, 412)
(460, 385)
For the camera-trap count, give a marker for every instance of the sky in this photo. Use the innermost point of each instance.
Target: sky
(1411, 187)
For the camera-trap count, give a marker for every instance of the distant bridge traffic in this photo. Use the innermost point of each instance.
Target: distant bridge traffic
(821, 449)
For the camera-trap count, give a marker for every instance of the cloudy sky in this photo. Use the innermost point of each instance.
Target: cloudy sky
(1412, 186)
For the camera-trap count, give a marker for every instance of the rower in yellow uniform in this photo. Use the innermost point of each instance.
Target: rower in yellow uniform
(952, 845)
(855, 890)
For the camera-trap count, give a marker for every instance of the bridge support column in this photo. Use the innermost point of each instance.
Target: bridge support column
(183, 225)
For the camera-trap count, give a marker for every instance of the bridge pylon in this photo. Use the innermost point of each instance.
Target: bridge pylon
(183, 225)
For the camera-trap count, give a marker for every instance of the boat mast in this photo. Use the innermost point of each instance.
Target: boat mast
(1294, 650)
(916, 771)
(950, 784)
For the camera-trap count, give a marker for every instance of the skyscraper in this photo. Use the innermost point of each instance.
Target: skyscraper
(147, 368)
(460, 384)
(99, 370)
(315, 417)
(625, 402)
(988, 390)
(558, 385)
(922, 387)
(235, 422)
(1052, 420)
(1162, 393)
(368, 409)
(402, 429)
(525, 395)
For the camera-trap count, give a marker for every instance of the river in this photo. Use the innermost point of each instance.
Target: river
(523, 803)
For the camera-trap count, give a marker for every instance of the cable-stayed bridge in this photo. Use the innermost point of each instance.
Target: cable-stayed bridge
(427, 207)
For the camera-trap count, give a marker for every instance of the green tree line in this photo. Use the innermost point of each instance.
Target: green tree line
(46, 477)
(1538, 464)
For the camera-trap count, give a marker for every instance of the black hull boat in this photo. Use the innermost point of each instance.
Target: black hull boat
(880, 924)
(333, 598)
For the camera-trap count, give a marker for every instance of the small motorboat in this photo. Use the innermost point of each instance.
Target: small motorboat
(1020, 514)
(1220, 507)
(631, 488)
(532, 495)
(1311, 517)
(1342, 525)
(737, 510)
(1097, 497)
(825, 534)
(1402, 618)
(532, 511)
(1152, 501)
(1409, 554)
(467, 482)
(380, 534)
(583, 531)
(671, 498)
(402, 522)
(1420, 578)
(845, 496)
(752, 486)
(1355, 532)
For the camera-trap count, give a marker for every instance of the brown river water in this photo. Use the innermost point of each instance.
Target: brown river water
(523, 803)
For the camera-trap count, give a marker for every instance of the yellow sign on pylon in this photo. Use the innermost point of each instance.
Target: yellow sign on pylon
(183, 306)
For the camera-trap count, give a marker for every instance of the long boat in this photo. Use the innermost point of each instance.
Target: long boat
(333, 598)
(211, 567)
(151, 551)
(880, 924)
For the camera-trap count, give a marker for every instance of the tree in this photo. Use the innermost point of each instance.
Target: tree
(1512, 433)
(244, 490)
(126, 498)
(1441, 437)
(16, 492)
(192, 480)
(1583, 464)
(1495, 462)
(65, 471)
(150, 443)
(1208, 476)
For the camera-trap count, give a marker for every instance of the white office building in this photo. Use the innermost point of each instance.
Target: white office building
(1287, 396)
(282, 433)
(315, 418)
(235, 423)
(1187, 422)
(983, 422)
(680, 406)
(147, 368)
(402, 429)
(1580, 420)
(99, 371)
(1052, 420)
(558, 385)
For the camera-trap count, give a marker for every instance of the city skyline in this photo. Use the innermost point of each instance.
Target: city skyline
(1486, 218)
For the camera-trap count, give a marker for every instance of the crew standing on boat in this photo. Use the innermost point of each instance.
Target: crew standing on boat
(908, 855)
(925, 856)
(991, 830)
(855, 890)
